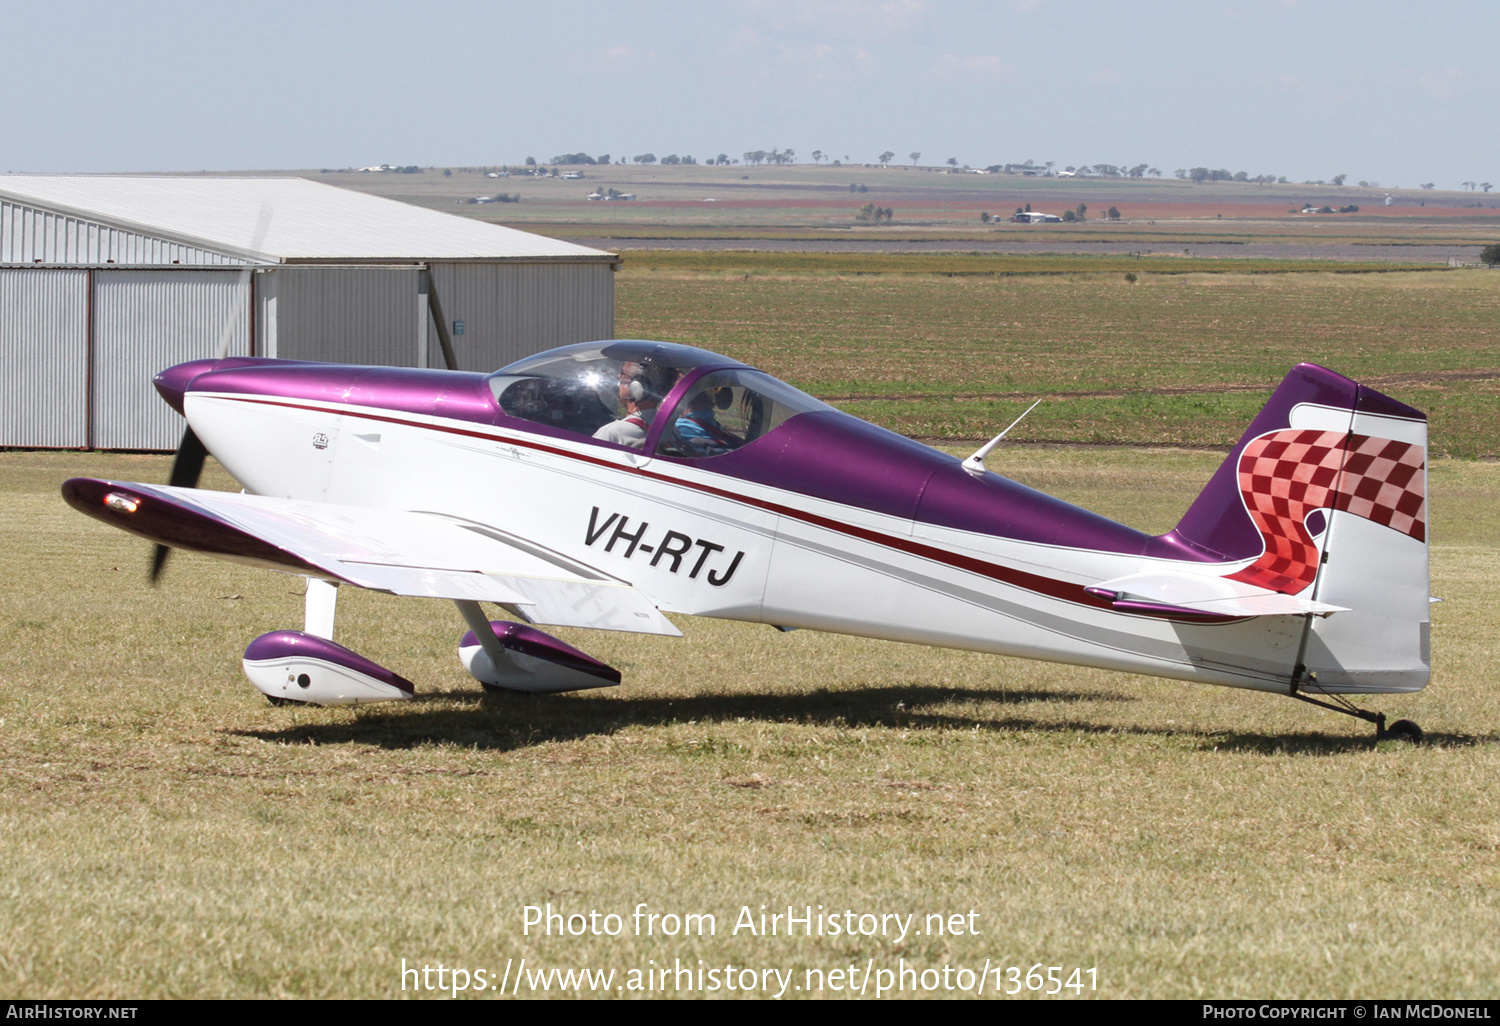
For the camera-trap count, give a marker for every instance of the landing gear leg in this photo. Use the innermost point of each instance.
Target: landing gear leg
(1401, 730)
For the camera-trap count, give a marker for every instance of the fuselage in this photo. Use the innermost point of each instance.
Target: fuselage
(821, 521)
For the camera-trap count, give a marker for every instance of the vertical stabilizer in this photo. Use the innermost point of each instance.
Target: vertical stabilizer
(1325, 496)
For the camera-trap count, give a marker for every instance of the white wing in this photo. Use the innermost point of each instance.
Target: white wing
(405, 553)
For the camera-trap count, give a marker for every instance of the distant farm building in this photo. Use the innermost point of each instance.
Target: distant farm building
(1035, 217)
(106, 280)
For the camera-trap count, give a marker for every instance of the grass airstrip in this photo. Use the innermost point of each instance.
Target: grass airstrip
(169, 834)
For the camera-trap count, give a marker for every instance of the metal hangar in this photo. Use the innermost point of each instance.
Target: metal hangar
(105, 280)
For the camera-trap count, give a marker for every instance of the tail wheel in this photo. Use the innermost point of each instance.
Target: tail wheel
(1404, 730)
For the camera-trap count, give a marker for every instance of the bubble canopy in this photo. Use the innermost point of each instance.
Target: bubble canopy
(648, 396)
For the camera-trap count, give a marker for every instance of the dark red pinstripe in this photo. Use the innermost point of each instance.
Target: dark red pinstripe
(1048, 586)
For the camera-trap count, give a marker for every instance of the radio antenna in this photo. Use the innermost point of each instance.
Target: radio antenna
(975, 463)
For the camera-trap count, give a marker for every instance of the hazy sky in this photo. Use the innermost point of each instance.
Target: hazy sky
(1399, 93)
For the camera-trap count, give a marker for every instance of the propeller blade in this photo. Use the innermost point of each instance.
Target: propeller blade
(242, 296)
(187, 467)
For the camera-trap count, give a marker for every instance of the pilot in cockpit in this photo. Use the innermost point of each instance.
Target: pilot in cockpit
(641, 391)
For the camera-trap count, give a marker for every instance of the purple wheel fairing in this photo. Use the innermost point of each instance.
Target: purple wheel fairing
(540, 645)
(286, 644)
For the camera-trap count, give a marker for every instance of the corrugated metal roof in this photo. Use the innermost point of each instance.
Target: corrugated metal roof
(303, 220)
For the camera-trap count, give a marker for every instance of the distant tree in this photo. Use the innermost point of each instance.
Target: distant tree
(531, 162)
(603, 158)
(1490, 255)
(915, 156)
(1069, 216)
(722, 159)
(1199, 174)
(984, 218)
(1469, 185)
(1486, 186)
(865, 213)
(1429, 185)
(953, 162)
(1154, 172)
(1138, 171)
(644, 158)
(885, 158)
(671, 158)
(817, 156)
(1083, 210)
(1339, 179)
(1180, 172)
(1113, 214)
(447, 172)
(1241, 176)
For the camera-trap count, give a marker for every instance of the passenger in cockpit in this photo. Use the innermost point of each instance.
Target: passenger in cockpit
(699, 428)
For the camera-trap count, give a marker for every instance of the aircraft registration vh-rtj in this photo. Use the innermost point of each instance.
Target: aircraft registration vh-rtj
(598, 485)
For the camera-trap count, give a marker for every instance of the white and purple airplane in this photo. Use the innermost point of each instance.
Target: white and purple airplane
(602, 484)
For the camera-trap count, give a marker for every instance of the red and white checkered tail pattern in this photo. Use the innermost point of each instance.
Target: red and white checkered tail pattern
(1286, 475)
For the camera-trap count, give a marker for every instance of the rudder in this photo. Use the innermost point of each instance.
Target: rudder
(1325, 496)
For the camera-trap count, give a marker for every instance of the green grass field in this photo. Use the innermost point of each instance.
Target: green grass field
(169, 834)
(1177, 359)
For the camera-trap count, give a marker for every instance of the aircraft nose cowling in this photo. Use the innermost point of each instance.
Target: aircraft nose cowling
(173, 382)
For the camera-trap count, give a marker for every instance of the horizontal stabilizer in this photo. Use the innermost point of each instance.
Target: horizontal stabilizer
(1219, 596)
(404, 553)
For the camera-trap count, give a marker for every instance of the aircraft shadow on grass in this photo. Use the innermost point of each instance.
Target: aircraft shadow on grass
(522, 721)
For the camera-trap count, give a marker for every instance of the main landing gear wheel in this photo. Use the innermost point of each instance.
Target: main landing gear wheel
(1403, 730)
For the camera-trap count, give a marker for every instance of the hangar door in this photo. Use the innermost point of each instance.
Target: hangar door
(364, 315)
(43, 358)
(148, 320)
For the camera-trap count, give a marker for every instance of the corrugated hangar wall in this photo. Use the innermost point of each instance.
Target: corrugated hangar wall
(511, 310)
(44, 334)
(30, 234)
(370, 315)
(145, 320)
(78, 347)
